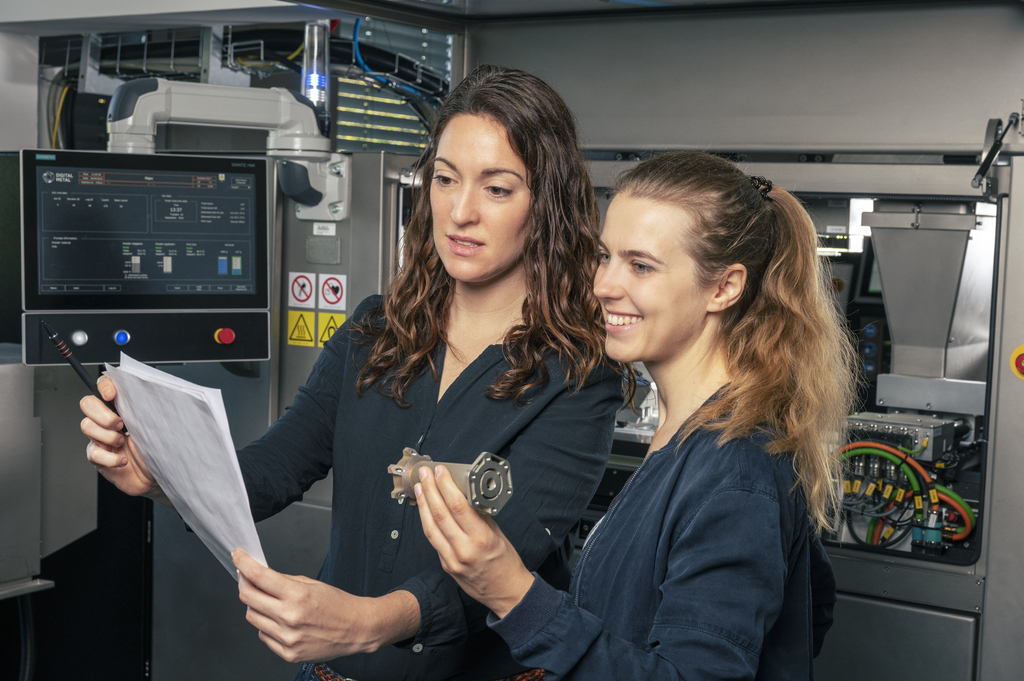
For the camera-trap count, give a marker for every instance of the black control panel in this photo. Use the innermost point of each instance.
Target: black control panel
(163, 257)
(151, 337)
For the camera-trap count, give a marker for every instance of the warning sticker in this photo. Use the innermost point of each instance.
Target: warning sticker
(301, 328)
(329, 323)
(332, 291)
(300, 289)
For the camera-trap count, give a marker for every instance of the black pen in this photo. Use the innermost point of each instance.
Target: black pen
(90, 382)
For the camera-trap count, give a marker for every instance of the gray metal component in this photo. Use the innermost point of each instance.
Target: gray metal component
(937, 395)
(323, 250)
(90, 79)
(212, 68)
(916, 427)
(916, 219)
(486, 483)
(334, 178)
(912, 263)
(906, 641)
(368, 242)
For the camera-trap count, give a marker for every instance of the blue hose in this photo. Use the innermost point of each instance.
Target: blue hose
(364, 67)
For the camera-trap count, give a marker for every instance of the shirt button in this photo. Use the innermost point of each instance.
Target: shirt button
(394, 534)
(401, 500)
(418, 648)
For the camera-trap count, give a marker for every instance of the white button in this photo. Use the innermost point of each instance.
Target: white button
(401, 500)
(79, 338)
(418, 648)
(394, 534)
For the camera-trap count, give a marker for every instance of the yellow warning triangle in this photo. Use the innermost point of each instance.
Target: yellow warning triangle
(332, 326)
(300, 332)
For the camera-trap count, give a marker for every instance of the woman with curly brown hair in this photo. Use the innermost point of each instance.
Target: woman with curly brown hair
(488, 339)
(708, 564)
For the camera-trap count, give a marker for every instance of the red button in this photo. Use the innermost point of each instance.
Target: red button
(1020, 363)
(224, 336)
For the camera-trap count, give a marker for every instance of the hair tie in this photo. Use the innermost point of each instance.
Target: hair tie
(761, 185)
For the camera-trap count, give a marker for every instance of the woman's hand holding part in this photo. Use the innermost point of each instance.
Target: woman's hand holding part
(471, 546)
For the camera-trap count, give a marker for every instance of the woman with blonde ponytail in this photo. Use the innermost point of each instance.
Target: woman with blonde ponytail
(709, 564)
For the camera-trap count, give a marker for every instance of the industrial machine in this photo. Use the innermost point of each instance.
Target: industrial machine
(926, 557)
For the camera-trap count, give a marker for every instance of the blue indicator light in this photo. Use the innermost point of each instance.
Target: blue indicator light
(315, 80)
(870, 349)
(121, 337)
(870, 330)
(869, 367)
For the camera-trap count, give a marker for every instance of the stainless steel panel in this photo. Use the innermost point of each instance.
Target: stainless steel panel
(199, 627)
(943, 395)
(930, 584)
(368, 256)
(920, 271)
(1001, 654)
(911, 220)
(862, 178)
(881, 639)
(69, 482)
(19, 492)
(968, 350)
(871, 78)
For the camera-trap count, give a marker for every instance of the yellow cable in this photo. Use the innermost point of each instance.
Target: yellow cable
(297, 52)
(56, 119)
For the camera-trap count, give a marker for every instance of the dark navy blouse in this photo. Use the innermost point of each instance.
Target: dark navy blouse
(702, 569)
(557, 445)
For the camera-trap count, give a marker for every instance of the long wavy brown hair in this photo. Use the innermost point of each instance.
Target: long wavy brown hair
(560, 313)
(789, 353)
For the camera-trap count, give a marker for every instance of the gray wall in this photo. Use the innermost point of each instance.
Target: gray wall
(857, 79)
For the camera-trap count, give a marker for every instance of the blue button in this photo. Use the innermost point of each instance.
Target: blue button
(869, 349)
(121, 337)
(869, 367)
(870, 330)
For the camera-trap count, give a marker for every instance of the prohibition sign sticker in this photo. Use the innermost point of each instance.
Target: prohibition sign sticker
(300, 289)
(333, 293)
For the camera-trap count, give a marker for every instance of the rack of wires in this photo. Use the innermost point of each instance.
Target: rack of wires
(891, 495)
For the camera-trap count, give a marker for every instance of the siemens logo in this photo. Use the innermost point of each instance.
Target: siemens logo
(46, 157)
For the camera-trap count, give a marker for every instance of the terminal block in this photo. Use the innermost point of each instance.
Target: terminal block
(932, 436)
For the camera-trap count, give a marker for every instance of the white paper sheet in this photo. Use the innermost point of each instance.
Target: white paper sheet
(181, 430)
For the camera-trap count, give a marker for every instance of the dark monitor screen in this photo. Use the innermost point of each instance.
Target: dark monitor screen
(143, 231)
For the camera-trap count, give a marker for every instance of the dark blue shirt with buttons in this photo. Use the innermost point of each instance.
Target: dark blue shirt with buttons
(557, 444)
(705, 567)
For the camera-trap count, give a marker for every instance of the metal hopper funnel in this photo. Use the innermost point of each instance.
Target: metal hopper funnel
(920, 251)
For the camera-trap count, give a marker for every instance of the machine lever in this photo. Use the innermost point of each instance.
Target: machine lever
(993, 151)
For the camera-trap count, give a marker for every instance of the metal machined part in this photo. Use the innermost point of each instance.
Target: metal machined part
(487, 482)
